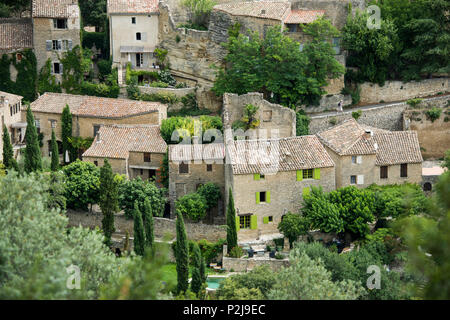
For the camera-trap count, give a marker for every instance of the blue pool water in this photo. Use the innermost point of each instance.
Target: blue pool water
(214, 282)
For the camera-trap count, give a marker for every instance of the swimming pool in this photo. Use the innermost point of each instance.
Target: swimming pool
(214, 282)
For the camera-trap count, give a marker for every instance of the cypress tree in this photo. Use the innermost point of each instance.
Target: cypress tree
(231, 223)
(148, 224)
(203, 270)
(33, 157)
(109, 203)
(66, 131)
(182, 256)
(55, 153)
(8, 153)
(139, 236)
(197, 280)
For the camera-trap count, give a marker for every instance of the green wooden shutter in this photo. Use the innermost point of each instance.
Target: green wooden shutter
(299, 175)
(253, 222)
(266, 220)
(317, 174)
(256, 176)
(306, 191)
(257, 198)
(238, 223)
(268, 196)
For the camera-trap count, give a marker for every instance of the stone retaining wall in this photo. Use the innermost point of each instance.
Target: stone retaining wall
(244, 265)
(179, 93)
(388, 116)
(398, 90)
(163, 227)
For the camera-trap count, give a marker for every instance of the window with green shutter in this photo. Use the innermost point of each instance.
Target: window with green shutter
(256, 177)
(317, 174)
(238, 223)
(253, 222)
(266, 220)
(299, 175)
(244, 222)
(308, 173)
(306, 191)
(257, 198)
(267, 196)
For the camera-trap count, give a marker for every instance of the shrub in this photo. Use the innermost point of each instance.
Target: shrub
(236, 252)
(211, 192)
(302, 124)
(192, 205)
(104, 68)
(356, 114)
(333, 121)
(292, 226)
(166, 76)
(160, 97)
(158, 84)
(413, 103)
(433, 114)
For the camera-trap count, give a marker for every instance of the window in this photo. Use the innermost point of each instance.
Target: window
(383, 172)
(244, 222)
(56, 45)
(404, 170)
(356, 159)
(308, 173)
(267, 116)
(270, 218)
(336, 45)
(352, 179)
(138, 36)
(96, 163)
(262, 177)
(53, 124)
(209, 167)
(60, 23)
(19, 57)
(262, 196)
(353, 159)
(147, 157)
(96, 128)
(142, 172)
(183, 168)
(57, 68)
(133, 20)
(65, 45)
(292, 27)
(139, 60)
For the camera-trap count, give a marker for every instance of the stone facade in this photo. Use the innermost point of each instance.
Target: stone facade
(10, 112)
(45, 34)
(244, 265)
(286, 195)
(398, 91)
(276, 121)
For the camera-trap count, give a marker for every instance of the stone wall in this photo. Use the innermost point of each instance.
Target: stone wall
(277, 121)
(398, 91)
(163, 227)
(244, 265)
(179, 93)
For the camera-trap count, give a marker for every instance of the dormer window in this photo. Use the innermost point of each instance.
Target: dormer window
(60, 23)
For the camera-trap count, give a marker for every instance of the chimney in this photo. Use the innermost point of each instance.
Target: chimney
(368, 134)
(99, 137)
(263, 11)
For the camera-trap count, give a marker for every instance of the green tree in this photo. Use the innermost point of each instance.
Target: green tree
(148, 225)
(57, 191)
(139, 235)
(8, 152)
(66, 132)
(197, 279)
(138, 190)
(108, 200)
(307, 279)
(82, 184)
(33, 157)
(428, 239)
(275, 65)
(192, 205)
(211, 192)
(181, 256)
(446, 163)
(93, 13)
(370, 50)
(55, 153)
(292, 226)
(198, 11)
(232, 240)
(302, 123)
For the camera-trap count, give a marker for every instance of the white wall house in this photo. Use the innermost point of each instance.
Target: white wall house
(134, 32)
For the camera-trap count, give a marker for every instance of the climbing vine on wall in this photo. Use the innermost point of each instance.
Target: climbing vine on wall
(47, 81)
(25, 83)
(75, 64)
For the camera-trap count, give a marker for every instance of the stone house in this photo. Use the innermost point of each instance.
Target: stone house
(269, 178)
(190, 166)
(365, 155)
(56, 30)
(10, 107)
(275, 121)
(89, 114)
(132, 150)
(133, 28)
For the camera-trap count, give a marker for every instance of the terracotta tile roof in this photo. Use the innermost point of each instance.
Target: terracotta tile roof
(303, 16)
(132, 6)
(54, 8)
(16, 34)
(397, 147)
(11, 97)
(274, 155)
(117, 141)
(348, 138)
(196, 152)
(275, 10)
(98, 107)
